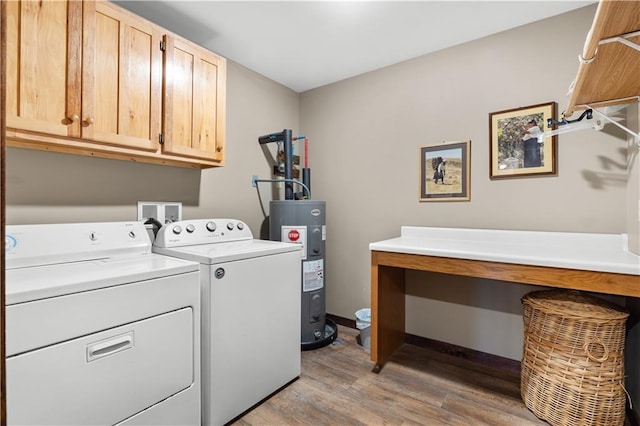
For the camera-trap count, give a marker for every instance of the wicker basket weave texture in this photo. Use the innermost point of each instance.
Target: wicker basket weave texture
(572, 370)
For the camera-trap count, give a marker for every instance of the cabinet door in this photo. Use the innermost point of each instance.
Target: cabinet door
(194, 101)
(43, 66)
(121, 78)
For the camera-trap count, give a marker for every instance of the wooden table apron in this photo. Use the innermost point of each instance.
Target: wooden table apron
(388, 288)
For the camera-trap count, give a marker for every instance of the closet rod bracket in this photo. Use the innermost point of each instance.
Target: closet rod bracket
(604, 116)
(622, 38)
(585, 121)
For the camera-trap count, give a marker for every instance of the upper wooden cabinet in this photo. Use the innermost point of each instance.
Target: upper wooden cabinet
(89, 78)
(43, 66)
(194, 96)
(121, 78)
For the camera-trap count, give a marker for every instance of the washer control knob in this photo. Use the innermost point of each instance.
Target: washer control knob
(10, 242)
(132, 234)
(230, 226)
(211, 226)
(240, 226)
(190, 228)
(177, 229)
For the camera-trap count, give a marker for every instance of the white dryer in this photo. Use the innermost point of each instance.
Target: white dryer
(250, 311)
(99, 330)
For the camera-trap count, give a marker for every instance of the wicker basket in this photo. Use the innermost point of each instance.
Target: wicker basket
(573, 359)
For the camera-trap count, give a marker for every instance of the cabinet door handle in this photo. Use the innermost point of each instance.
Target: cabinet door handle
(88, 121)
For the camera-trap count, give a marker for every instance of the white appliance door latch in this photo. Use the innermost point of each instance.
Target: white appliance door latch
(110, 346)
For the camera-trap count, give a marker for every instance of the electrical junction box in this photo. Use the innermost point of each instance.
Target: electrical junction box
(163, 212)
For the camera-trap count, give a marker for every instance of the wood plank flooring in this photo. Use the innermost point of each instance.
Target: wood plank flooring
(417, 387)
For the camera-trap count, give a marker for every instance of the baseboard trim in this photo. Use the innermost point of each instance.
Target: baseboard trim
(482, 358)
(351, 323)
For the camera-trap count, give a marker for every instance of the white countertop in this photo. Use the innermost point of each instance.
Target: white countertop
(583, 251)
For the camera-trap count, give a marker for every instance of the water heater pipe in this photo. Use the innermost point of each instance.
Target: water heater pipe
(292, 181)
(286, 137)
(288, 165)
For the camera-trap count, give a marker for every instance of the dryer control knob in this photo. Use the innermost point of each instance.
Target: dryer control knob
(177, 229)
(230, 226)
(190, 228)
(240, 226)
(211, 226)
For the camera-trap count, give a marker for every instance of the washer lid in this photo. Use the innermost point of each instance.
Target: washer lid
(41, 282)
(210, 254)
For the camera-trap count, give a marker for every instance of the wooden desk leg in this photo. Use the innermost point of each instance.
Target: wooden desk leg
(387, 312)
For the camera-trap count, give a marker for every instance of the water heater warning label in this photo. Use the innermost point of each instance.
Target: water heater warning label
(296, 235)
(312, 275)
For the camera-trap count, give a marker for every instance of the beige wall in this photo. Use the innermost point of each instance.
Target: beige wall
(365, 136)
(47, 187)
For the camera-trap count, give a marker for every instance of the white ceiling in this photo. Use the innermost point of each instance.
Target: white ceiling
(307, 44)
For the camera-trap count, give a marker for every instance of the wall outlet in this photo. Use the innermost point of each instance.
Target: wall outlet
(163, 212)
(254, 181)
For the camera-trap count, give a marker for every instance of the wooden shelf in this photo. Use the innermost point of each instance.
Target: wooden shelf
(609, 70)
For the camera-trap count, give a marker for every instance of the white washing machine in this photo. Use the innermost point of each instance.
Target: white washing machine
(250, 311)
(99, 330)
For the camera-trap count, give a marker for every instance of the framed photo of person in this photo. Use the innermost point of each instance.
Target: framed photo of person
(517, 146)
(445, 172)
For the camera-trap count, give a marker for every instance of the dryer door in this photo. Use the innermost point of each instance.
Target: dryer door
(102, 378)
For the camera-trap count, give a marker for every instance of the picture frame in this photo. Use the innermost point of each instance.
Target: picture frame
(514, 148)
(445, 172)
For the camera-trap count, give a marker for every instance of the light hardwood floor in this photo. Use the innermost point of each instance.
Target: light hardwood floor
(418, 387)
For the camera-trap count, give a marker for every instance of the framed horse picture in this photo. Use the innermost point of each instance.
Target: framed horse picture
(445, 172)
(518, 146)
